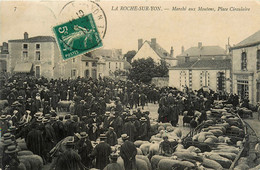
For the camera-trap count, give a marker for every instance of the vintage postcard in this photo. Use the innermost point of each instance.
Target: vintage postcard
(146, 84)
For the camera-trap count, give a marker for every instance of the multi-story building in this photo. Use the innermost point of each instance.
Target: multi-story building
(151, 49)
(4, 57)
(246, 68)
(202, 66)
(36, 55)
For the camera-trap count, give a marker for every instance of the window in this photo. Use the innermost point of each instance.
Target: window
(243, 61)
(94, 64)
(116, 65)
(220, 81)
(25, 55)
(109, 65)
(258, 60)
(37, 71)
(73, 73)
(73, 60)
(25, 46)
(204, 78)
(86, 63)
(119, 65)
(38, 55)
(38, 46)
(87, 73)
(187, 59)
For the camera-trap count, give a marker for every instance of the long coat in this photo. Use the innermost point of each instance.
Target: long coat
(130, 130)
(128, 152)
(102, 152)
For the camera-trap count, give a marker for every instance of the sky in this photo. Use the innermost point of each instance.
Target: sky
(124, 28)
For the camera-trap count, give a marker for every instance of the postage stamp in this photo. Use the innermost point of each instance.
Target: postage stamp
(77, 36)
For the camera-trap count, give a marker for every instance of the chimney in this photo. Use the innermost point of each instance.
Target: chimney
(199, 44)
(182, 49)
(140, 43)
(26, 36)
(171, 53)
(153, 43)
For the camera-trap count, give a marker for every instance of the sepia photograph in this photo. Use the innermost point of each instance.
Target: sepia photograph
(129, 85)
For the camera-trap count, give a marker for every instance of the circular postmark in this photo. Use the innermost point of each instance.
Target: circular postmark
(81, 34)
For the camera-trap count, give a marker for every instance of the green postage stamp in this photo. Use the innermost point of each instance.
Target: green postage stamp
(77, 36)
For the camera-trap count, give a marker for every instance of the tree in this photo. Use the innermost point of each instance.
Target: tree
(129, 55)
(144, 70)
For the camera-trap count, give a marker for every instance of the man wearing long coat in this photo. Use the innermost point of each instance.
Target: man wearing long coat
(128, 152)
(102, 152)
(129, 129)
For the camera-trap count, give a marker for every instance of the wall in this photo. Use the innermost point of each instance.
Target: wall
(160, 81)
(145, 52)
(251, 74)
(178, 81)
(114, 65)
(46, 62)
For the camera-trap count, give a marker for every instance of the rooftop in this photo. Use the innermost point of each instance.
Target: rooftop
(204, 51)
(205, 64)
(254, 39)
(161, 52)
(36, 39)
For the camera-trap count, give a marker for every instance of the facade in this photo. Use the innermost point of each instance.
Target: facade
(246, 68)
(36, 55)
(151, 49)
(214, 74)
(203, 53)
(4, 54)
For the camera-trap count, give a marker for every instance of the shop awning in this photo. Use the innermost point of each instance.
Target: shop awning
(23, 68)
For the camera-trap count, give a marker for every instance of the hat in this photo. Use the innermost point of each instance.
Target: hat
(15, 111)
(93, 114)
(28, 111)
(39, 119)
(12, 128)
(114, 156)
(70, 142)
(111, 128)
(112, 115)
(83, 134)
(54, 118)
(8, 142)
(16, 103)
(47, 116)
(7, 136)
(37, 94)
(38, 114)
(124, 136)
(107, 113)
(67, 116)
(103, 136)
(44, 120)
(3, 117)
(20, 98)
(143, 119)
(11, 149)
(21, 123)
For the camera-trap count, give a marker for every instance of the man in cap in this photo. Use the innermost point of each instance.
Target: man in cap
(128, 152)
(113, 163)
(102, 152)
(111, 136)
(49, 137)
(59, 129)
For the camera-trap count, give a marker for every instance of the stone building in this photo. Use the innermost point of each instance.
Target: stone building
(4, 57)
(214, 74)
(34, 55)
(246, 68)
(151, 49)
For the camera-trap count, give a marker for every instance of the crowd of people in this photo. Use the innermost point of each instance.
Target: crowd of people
(65, 140)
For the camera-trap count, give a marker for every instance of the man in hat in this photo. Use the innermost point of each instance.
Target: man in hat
(10, 160)
(113, 163)
(59, 129)
(69, 159)
(93, 126)
(143, 129)
(26, 117)
(35, 141)
(111, 136)
(128, 152)
(49, 137)
(4, 124)
(84, 149)
(129, 129)
(102, 152)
